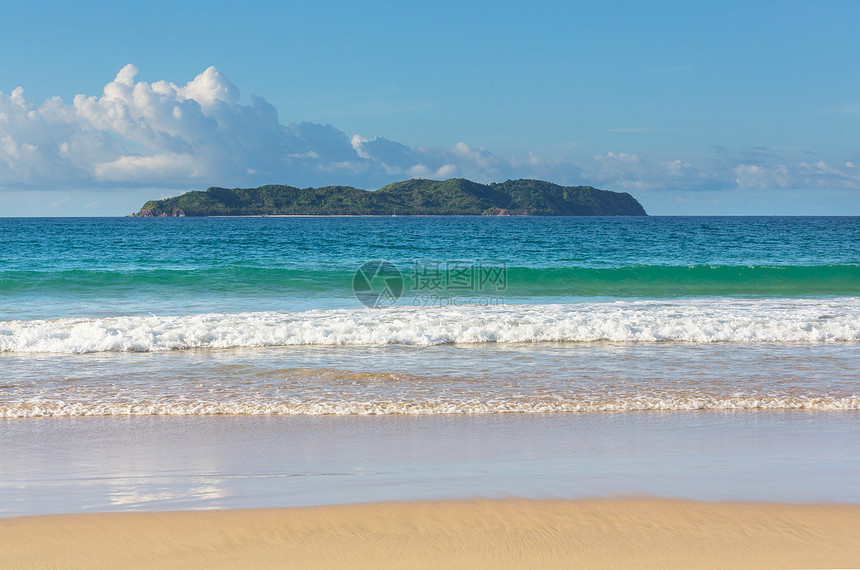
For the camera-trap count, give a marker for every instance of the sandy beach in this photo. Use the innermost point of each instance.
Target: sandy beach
(630, 533)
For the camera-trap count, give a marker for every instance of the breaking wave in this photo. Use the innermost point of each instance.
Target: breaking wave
(699, 321)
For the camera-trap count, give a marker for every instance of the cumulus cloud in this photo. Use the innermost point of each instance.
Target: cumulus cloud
(137, 133)
(160, 134)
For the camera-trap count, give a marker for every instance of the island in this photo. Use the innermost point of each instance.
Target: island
(456, 196)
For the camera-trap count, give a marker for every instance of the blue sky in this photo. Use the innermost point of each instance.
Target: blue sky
(694, 107)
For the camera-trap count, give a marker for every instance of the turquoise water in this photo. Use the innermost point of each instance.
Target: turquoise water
(254, 295)
(51, 268)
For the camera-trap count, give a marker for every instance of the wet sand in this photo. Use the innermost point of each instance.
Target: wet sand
(630, 533)
(352, 465)
(92, 465)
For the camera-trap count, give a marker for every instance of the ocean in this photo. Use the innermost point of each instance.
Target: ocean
(333, 325)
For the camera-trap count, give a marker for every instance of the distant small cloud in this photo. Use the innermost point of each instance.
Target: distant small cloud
(754, 176)
(630, 171)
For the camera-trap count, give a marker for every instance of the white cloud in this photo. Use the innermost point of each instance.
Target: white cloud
(136, 133)
(447, 171)
(753, 176)
(140, 134)
(776, 174)
(141, 168)
(632, 172)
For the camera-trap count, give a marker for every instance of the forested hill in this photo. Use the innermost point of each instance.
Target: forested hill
(411, 197)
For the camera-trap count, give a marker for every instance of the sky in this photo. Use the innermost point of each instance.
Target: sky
(695, 108)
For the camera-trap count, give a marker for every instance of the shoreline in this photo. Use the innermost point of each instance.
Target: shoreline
(176, 463)
(547, 533)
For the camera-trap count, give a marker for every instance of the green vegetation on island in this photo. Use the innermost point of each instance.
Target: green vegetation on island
(409, 198)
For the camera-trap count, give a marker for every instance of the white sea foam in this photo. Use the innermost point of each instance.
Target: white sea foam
(60, 408)
(704, 320)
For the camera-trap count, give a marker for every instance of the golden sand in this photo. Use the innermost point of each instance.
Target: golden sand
(625, 533)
